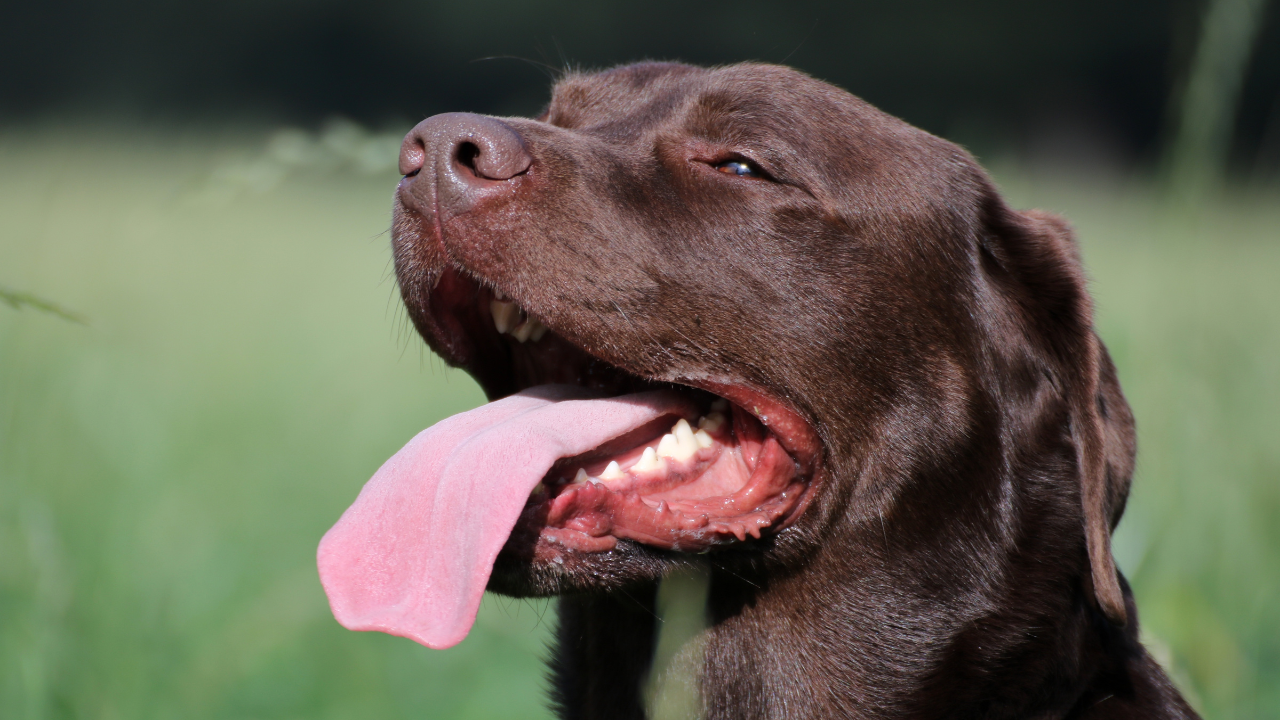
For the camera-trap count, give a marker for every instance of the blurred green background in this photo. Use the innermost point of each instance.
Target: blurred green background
(207, 189)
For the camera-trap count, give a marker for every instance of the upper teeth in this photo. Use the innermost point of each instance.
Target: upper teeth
(529, 329)
(509, 319)
(505, 314)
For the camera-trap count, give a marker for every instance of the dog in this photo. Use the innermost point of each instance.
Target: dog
(739, 320)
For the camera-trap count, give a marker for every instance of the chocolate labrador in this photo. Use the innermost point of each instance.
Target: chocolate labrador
(738, 319)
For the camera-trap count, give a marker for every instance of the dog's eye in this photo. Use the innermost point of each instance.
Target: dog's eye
(741, 168)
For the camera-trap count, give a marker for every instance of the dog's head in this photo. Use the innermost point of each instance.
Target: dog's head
(892, 357)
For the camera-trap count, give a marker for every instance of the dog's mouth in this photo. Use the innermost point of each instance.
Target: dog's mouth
(707, 472)
(575, 455)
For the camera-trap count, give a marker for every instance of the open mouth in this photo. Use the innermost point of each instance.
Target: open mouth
(575, 455)
(707, 472)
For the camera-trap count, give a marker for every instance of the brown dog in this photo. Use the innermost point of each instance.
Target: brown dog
(899, 446)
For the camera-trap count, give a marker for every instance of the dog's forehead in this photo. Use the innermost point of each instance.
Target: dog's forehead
(811, 130)
(647, 96)
(624, 99)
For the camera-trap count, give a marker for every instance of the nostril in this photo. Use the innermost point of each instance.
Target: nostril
(413, 155)
(467, 153)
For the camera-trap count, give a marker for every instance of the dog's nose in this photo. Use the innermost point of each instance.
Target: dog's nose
(466, 156)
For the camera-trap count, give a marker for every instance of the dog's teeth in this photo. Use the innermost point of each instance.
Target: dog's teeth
(648, 460)
(711, 422)
(499, 294)
(719, 405)
(683, 431)
(525, 329)
(684, 436)
(505, 314)
(703, 439)
(612, 471)
(582, 476)
(679, 444)
(538, 331)
(539, 488)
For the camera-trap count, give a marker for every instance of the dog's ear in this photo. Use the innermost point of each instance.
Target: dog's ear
(1037, 256)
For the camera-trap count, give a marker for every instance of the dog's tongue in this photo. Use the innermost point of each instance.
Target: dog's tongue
(412, 555)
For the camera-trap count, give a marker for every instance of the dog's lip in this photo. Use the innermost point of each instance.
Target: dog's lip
(795, 434)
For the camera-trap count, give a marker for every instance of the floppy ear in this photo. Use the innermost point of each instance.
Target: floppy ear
(1039, 251)
(1104, 484)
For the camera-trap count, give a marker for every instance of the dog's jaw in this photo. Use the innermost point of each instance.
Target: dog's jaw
(738, 470)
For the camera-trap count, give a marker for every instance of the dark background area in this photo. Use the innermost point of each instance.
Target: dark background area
(1067, 79)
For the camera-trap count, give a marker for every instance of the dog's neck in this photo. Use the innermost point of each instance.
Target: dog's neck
(646, 653)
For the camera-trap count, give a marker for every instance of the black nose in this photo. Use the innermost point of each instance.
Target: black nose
(456, 159)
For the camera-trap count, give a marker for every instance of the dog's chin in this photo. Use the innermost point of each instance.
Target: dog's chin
(521, 571)
(709, 476)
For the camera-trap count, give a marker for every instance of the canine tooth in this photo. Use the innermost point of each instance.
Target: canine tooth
(719, 405)
(648, 460)
(711, 422)
(703, 439)
(504, 314)
(668, 446)
(612, 471)
(499, 294)
(582, 476)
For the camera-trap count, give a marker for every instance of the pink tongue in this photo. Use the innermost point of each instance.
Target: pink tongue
(412, 555)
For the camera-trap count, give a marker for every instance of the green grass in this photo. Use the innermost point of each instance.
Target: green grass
(167, 468)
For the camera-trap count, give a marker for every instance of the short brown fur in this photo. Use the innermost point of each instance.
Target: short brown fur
(953, 560)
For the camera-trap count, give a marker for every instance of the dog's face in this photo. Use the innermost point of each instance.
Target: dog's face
(908, 364)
